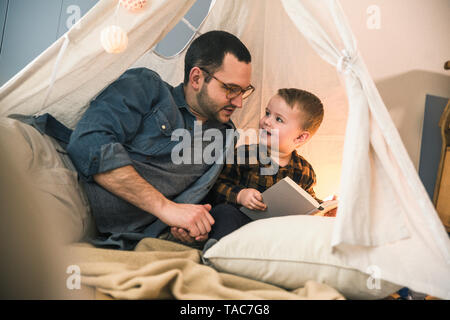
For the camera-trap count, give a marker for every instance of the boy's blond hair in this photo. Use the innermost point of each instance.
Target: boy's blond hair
(308, 103)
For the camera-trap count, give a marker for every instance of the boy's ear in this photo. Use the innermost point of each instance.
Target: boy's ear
(303, 137)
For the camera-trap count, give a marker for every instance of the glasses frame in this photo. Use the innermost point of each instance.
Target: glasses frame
(230, 94)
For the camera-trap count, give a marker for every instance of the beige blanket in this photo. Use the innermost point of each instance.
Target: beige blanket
(160, 269)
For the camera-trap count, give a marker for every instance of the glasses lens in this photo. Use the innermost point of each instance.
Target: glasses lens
(248, 92)
(234, 92)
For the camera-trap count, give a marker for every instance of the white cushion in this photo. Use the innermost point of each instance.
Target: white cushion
(287, 252)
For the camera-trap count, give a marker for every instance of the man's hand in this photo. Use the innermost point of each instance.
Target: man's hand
(195, 219)
(182, 235)
(126, 183)
(251, 199)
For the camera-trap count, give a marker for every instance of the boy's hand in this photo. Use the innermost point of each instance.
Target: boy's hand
(251, 199)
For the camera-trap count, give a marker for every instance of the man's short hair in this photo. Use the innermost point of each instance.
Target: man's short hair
(308, 103)
(209, 50)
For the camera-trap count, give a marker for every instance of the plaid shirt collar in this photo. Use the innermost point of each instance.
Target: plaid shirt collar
(294, 163)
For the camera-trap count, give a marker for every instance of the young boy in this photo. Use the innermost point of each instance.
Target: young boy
(292, 116)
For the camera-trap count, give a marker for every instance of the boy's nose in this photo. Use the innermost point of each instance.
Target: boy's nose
(267, 122)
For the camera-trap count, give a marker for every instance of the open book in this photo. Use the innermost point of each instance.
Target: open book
(288, 198)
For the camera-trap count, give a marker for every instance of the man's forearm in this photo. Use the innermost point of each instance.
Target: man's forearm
(127, 183)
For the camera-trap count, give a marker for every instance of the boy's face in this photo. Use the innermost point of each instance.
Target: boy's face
(283, 123)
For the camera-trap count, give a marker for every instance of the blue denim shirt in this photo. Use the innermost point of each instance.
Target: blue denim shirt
(133, 119)
(129, 123)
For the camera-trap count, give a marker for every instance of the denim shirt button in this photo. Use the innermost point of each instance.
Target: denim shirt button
(163, 127)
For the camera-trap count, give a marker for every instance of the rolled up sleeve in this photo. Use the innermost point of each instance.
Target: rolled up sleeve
(112, 119)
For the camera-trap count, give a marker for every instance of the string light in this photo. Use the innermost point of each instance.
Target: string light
(114, 39)
(133, 5)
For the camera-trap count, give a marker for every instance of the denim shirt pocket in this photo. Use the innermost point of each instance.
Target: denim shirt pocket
(155, 135)
(163, 123)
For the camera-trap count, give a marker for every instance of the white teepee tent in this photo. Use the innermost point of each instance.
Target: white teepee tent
(385, 217)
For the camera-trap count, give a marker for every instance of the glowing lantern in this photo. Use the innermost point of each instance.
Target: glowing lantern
(114, 39)
(133, 5)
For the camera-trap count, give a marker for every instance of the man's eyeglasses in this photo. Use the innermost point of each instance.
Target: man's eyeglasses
(233, 91)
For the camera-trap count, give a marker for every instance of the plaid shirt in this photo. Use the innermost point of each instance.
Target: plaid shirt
(236, 176)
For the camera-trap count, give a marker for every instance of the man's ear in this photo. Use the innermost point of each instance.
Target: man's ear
(303, 137)
(196, 78)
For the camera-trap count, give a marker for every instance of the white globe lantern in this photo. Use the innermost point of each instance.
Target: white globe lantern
(114, 39)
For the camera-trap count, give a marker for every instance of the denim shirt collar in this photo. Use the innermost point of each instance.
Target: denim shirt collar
(178, 96)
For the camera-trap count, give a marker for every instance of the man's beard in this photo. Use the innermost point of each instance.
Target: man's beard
(207, 108)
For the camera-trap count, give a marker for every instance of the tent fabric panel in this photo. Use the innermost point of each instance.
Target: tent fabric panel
(367, 232)
(86, 68)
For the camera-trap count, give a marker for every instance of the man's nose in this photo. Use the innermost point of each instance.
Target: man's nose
(237, 102)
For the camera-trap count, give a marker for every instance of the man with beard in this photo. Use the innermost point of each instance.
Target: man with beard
(122, 145)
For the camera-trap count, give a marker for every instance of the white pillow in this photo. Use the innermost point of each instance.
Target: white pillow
(287, 252)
